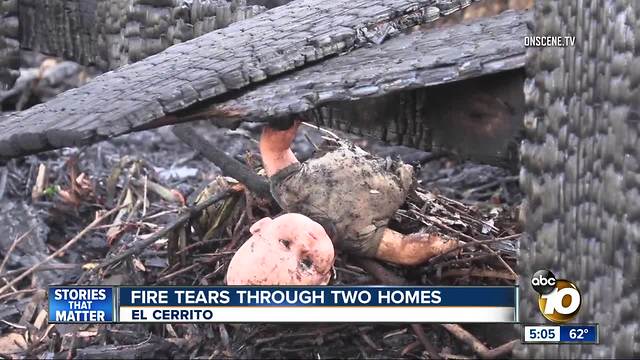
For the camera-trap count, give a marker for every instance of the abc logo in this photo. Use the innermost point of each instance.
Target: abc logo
(559, 300)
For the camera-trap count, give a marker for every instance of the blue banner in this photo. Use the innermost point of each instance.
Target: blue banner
(81, 304)
(242, 304)
(498, 296)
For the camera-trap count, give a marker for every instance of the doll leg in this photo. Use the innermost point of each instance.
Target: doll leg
(412, 249)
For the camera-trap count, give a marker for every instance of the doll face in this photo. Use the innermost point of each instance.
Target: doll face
(288, 250)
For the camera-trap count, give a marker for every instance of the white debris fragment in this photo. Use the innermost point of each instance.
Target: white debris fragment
(178, 172)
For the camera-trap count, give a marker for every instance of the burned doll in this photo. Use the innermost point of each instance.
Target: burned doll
(350, 192)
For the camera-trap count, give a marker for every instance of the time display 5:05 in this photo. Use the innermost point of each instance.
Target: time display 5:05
(542, 333)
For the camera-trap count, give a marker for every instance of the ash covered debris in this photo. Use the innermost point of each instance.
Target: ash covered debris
(186, 257)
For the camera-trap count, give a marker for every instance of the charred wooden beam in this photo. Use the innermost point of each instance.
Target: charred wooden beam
(481, 116)
(223, 62)
(102, 34)
(111, 33)
(106, 34)
(413, 60)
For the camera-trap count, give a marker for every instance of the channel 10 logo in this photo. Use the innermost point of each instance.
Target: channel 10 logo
(559, 300)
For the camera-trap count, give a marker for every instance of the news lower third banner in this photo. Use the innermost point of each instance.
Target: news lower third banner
(287, 304)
